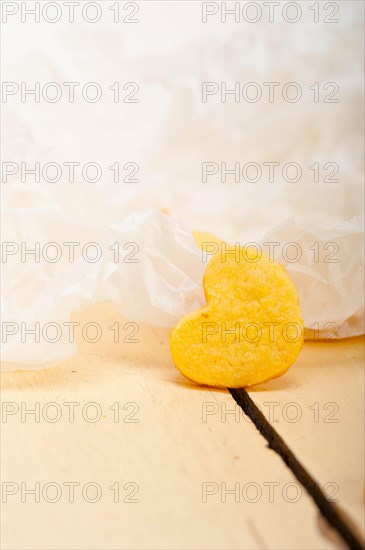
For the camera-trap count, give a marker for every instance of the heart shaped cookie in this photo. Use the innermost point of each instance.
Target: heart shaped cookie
(251, 329)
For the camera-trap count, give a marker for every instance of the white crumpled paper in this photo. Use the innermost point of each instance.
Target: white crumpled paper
(157, 277)
(327, 267)
(170, 133)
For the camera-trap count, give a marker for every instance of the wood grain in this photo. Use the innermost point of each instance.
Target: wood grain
(185, 436)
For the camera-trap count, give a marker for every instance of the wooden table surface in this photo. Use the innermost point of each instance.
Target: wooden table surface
(123, 452)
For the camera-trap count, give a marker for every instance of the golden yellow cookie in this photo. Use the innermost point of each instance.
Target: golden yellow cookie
(251, 329)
